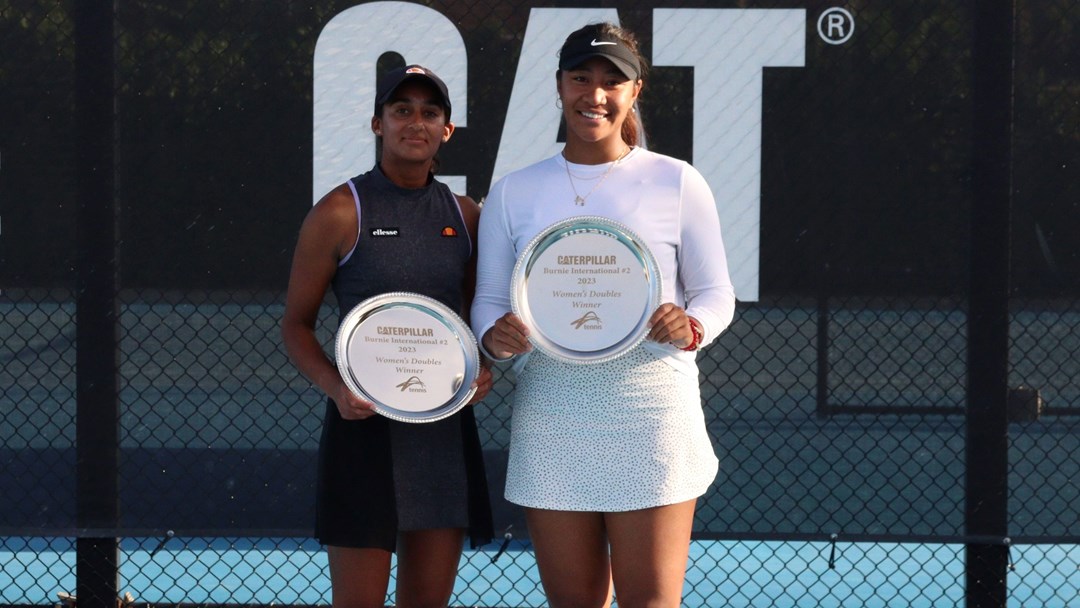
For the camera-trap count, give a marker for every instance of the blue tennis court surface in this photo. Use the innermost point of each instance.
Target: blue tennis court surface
(753, 574)
(235, 452)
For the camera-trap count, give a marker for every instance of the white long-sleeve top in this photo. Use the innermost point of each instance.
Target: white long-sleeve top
(664, 200)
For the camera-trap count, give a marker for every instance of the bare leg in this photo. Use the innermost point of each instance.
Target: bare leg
(427, 567)
(572, 554)
(649, 549)
(358, 577)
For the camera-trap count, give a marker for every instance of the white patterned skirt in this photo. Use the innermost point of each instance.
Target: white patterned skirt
(616, 436)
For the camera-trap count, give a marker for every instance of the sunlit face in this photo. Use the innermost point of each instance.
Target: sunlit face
(596, 98)
(412, 124)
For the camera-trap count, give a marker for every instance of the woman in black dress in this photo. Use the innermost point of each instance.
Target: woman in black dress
(384, 485)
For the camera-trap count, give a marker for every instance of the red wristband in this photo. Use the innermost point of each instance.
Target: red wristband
(698, 337)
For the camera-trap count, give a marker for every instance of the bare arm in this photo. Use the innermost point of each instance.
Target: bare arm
(470, 212)
(328, 231)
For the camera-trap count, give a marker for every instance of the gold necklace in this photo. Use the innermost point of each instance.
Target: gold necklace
(580, 200)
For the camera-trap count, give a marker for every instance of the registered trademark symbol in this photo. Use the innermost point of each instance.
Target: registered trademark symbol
(835, 26)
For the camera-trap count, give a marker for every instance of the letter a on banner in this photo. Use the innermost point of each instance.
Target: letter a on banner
(532, 116)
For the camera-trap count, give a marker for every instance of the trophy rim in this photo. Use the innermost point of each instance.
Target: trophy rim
(433, 308)
(567, 227)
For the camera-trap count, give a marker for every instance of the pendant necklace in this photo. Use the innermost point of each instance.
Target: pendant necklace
(580, 200)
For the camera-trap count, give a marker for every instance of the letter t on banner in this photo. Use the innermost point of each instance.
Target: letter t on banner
(729, 49)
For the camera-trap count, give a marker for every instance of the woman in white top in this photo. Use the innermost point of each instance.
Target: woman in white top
(609, 458)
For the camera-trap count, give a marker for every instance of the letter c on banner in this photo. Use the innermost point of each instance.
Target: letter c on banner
(344, 75)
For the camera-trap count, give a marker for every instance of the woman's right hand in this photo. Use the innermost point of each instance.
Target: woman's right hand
(352, 407)
(508, 337)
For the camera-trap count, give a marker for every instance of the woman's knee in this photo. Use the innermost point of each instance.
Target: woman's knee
(358, 577)
(427, 567)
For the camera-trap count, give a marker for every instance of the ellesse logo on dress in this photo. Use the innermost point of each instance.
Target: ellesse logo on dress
(385, 232)
(449, 231)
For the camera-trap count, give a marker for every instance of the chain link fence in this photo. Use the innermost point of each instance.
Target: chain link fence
(840, 401)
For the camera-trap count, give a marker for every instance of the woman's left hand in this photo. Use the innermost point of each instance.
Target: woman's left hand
(671, 324)
(483, 385)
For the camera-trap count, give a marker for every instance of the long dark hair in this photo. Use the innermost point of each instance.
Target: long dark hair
(633, 132)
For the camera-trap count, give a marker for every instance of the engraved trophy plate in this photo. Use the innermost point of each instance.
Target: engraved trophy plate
(586, 287)
(409, 354)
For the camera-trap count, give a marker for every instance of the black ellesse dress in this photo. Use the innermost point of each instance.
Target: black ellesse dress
(379, 476)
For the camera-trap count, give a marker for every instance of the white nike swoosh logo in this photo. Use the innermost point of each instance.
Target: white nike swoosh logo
(597, 43)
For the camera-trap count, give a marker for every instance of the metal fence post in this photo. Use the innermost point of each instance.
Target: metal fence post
(96, 426)
(986, 498)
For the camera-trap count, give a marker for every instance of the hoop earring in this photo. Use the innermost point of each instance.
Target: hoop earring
(558, 103)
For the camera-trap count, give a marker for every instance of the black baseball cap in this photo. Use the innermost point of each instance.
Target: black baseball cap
(395, 78)
(589, 42)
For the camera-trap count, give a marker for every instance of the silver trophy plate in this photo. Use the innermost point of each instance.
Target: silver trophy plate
(586, 287)
(409, 354)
